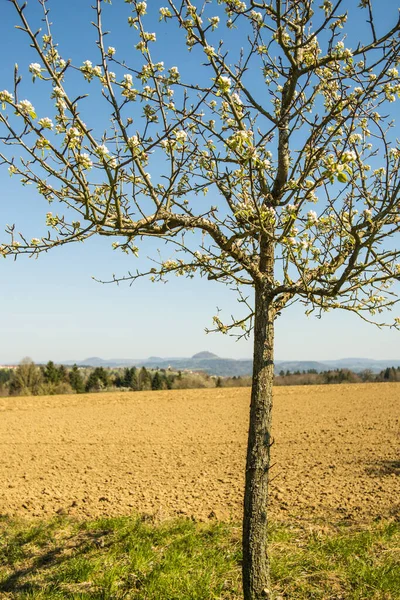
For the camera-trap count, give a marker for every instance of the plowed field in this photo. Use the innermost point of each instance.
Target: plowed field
(336, 453)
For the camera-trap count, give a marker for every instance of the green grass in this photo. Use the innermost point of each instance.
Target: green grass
(130, 558)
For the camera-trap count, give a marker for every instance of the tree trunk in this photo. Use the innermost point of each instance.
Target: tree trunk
(256, 575)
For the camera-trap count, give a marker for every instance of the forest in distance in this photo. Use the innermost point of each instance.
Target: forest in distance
(30, 379)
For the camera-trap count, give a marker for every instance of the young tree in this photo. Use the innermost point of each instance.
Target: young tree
(277, 148)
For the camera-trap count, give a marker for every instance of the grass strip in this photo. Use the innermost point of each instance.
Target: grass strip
(134, 558)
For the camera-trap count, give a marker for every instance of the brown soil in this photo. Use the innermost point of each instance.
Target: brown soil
(336, 453)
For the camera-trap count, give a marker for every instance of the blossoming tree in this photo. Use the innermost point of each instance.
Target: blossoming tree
(278, 151)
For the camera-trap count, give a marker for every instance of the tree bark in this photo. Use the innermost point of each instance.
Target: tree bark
(256, 572)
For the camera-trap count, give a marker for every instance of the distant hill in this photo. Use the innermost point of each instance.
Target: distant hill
(228, 367)
(204, 354)
(360, 364)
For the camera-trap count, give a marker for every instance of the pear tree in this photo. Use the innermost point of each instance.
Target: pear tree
(267, 161)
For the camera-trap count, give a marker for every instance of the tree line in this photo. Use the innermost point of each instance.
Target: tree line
(29, 379)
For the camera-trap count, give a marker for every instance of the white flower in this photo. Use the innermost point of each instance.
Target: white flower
(174, 73)
(5, 96)
(35, 69)
(46, 123)
(236, 99)
(26, 108)
(133, 141)
(214, 22)
(84, 161)
(367, 213)
(111, 50)
(355, 138)
(181, 136)
(141, 8)
(102, 151)
(149, 37)
(42, 143)
(58, 92)
(304, 244)
(209, 50)
(73, 137)
(312, 216)
(256, 16)
(349, 156)
(128, 81)
(164, 13)
(224, 84)
(240, 138)
(35, 241)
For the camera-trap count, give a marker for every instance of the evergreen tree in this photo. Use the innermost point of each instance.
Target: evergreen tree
(62, 374)
(168, 381)
(157, 383)
(76, 380)
(131, 378)
(144, 379)
(92, 383)
(51, 373)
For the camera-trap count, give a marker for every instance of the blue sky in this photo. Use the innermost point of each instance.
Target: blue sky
(53, 309)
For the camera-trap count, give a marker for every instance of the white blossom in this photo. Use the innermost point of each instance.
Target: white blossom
(224, 84)
(181, 136)
(84, 161)
(214, 21)
(128, 81)
(312, 216)
(141, 8)
(102, 151)
(46, 123)
(6, 96)
(133, 141)
(164, 13)
(209, 50)
(149, 37)
(26, 108)
(35, 69)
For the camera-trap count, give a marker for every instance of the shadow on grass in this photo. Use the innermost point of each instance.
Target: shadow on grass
(113, 559)
(33, 551)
